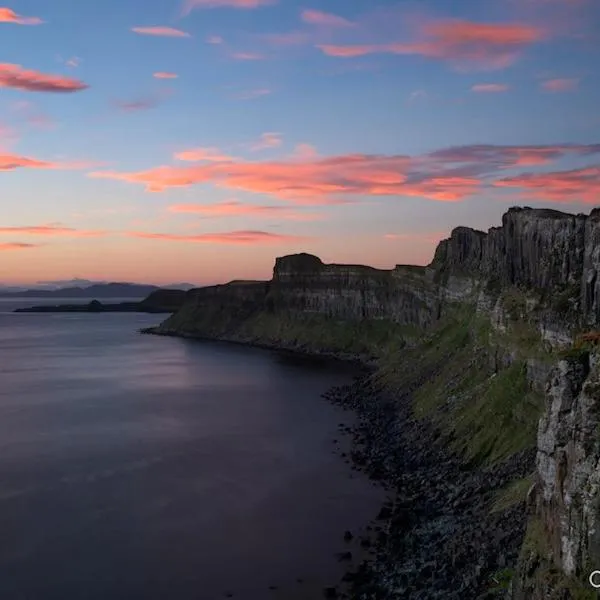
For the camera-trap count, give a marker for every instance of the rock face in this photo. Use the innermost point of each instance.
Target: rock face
(566, 496)
(302, 283)
(534, 248)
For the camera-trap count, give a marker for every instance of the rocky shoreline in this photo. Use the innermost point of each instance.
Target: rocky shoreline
(437, 537)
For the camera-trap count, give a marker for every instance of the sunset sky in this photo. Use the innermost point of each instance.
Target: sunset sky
(196, 140)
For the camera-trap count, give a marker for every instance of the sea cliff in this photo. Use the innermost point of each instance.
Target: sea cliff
(485, 362)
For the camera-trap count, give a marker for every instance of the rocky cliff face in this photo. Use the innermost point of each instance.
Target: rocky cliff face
(564, 537)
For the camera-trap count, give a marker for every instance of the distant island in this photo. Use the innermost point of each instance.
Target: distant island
(158, 301)
(101, 290)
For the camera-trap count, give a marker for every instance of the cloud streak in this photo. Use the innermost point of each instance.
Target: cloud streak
(466, 43)
(243, 237)
(446, 175)
(317, 17)
(490, 88)
(10, 16)
(165, 75)
(17, 78)
(190, 5)
(209, 154)
(560, 85)
(51, 230)
(15, 246)
(160, 31)
(563, 187)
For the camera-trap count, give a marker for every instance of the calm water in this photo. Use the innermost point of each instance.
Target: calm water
(143, 467)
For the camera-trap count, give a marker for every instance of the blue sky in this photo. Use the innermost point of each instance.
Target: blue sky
(215, 138)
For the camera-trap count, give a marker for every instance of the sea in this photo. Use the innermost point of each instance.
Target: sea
(143, 467)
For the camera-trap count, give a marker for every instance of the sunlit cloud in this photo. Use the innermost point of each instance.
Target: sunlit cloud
(317, 17)
(446, 175)
(214, 39)
(466, 43)
(10, 16)
(15, 246)
(227, 237)
(495, 157)
(160, 31)
(190, 5)
(233, 208)
(11, 162)
(560, 85)
(165, 75)
(210, 154)
(490, 88)
(574, 186)
(16, 77)
(73, 62)
(51, 230)
(268, 140)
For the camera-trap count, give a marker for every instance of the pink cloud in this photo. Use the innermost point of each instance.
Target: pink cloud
(51, 230)
(268, 140)
(203, 154)
(15, 246)
(477, 45)
(160, 31)
(491, 88)
(233, 208)
(15, 77)
(214, 39)
(165, 75)
(574, 186)
(317, 17)
(504, 157)
(227, 237)
(247, 56)
(10, 16)
(305, 151)
(11, 162)
(447, 175)
(190, 5)
(560, 85)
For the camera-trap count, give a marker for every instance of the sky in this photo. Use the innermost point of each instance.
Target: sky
(197, 140)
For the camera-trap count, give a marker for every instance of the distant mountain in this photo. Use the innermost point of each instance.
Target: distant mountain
(65, 283)
(99, 290)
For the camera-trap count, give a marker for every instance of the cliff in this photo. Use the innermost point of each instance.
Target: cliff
(481, 341)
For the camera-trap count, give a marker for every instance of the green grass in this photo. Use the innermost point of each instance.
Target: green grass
(514, 493)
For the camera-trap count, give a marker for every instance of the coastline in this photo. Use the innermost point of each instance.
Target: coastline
(438, 535)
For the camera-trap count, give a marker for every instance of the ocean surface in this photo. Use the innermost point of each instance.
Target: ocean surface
(141, 467)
